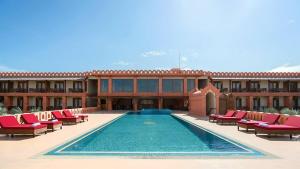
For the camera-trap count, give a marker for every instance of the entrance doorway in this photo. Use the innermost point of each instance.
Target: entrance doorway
(210, 103)
(122, 104)
(147, 103)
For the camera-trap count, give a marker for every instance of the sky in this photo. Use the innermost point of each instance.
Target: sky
(212, 35)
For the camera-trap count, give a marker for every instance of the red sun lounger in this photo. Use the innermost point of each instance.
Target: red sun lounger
(65, 120)
(267, 118)
(83, 117)
(10, 125)
(238, 116)
(213, 117)
(289, 127)
(30, 118)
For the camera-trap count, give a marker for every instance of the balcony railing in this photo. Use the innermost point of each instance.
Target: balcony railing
(57, 90)
(38, 90)
(75, 90)
(278, 90)
(3, 90)
(19, 90)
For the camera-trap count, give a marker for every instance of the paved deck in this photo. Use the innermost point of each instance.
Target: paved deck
(25, 152)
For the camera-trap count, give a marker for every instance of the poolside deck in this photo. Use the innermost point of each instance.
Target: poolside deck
(26, 152)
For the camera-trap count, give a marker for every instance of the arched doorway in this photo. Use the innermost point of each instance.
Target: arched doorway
(210, 103)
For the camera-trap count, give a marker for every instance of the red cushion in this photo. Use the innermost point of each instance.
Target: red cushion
(270, 118)
(67, 113)
(30, 118)
(57, 114)
(278, 127)
(240, 114)
(293, 121)
(50, 122)
(229, 113)
(6, 121)
(82, 115)
(250, 122)
(25, 127)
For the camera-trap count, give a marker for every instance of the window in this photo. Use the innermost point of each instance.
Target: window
(59, 85)
(104, 85)
(172, 85)
(254, 85)
(39, 102)
(190, 84)
(3, 86)
(20, 102)
(256, 103)
(57, 102)
(77, 102)
(276, 102)
(236, 86)
(40, 85)
(77, 85)
(273, 86)
(147, 85)
(238, 103)
(293, 87)
(218, 84)
(122, 85)
(22, 85)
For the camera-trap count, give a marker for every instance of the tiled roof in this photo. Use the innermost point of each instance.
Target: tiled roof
(172, 72)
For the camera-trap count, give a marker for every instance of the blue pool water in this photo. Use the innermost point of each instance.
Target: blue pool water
(152, 133)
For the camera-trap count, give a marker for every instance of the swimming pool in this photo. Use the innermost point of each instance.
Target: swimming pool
(152, 133)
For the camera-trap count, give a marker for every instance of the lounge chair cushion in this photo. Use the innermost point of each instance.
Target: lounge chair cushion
(293, 121)
(25, 127)
(270, 118)
(30, 118)
(278, 127)
(6, 121)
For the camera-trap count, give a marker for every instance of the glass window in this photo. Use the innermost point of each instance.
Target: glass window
(218, 84)
(172, 85)
(122, 85)
(190, 84)
(147, 85)
(104, 85)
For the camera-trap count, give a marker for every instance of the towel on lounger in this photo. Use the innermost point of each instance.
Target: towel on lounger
(35, 124)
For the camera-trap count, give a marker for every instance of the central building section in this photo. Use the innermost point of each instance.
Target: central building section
(136, 90)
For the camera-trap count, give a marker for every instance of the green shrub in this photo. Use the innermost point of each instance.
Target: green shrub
(289, 111)
(3, 110)
(271, 110)
(16, 110)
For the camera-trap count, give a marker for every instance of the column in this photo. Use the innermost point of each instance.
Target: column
(288, 102)
(135, 105)
(7, 101)
(109, 86)
(185, 89)
(99, 86)
(250, 102)
(45, 103)
(109, 104)
(83, 101)
(160, 103)
(134, 86)
(160, 87)
(64, 102)
(25, 104)
(270, 101)
(196, 83)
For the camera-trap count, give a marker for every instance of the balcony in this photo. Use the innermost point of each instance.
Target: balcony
(4, 90)
(37, 90)
(20, 90)
(278, 90)
(75, 90)
(224, 90)
(236, 90)
(57, 90)
(256, 90)
(294, 89)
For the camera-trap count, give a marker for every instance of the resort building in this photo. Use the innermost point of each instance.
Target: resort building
(201, 92)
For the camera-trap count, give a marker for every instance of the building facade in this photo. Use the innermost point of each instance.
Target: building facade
(137, 89)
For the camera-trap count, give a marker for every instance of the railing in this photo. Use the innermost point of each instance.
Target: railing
(57, 90)
(75, 90)
(38, 90)
(4, 90)
(19, 90)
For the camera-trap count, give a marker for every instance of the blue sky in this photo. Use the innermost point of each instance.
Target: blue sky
(215, 35)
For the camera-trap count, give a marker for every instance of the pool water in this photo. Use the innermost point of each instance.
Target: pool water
(152, 133)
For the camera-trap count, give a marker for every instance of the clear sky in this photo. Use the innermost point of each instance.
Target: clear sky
(215, 35)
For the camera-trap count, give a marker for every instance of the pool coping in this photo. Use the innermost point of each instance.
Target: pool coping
(263, 154)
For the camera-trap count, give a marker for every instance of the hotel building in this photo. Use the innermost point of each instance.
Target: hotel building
(137, 89)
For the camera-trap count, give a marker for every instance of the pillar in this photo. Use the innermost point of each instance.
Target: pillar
(83, 101)
(160, 87)
(270, 101)
(7, 101)
(45, 105)
(99, 86)
(196, 83)
(135, 86)
(185, 89)
(250, 102)
(135, 104)
(25, 104)
(288, 102)
(160, 103)
(64, 102)
(109, 86)
(109, 104)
